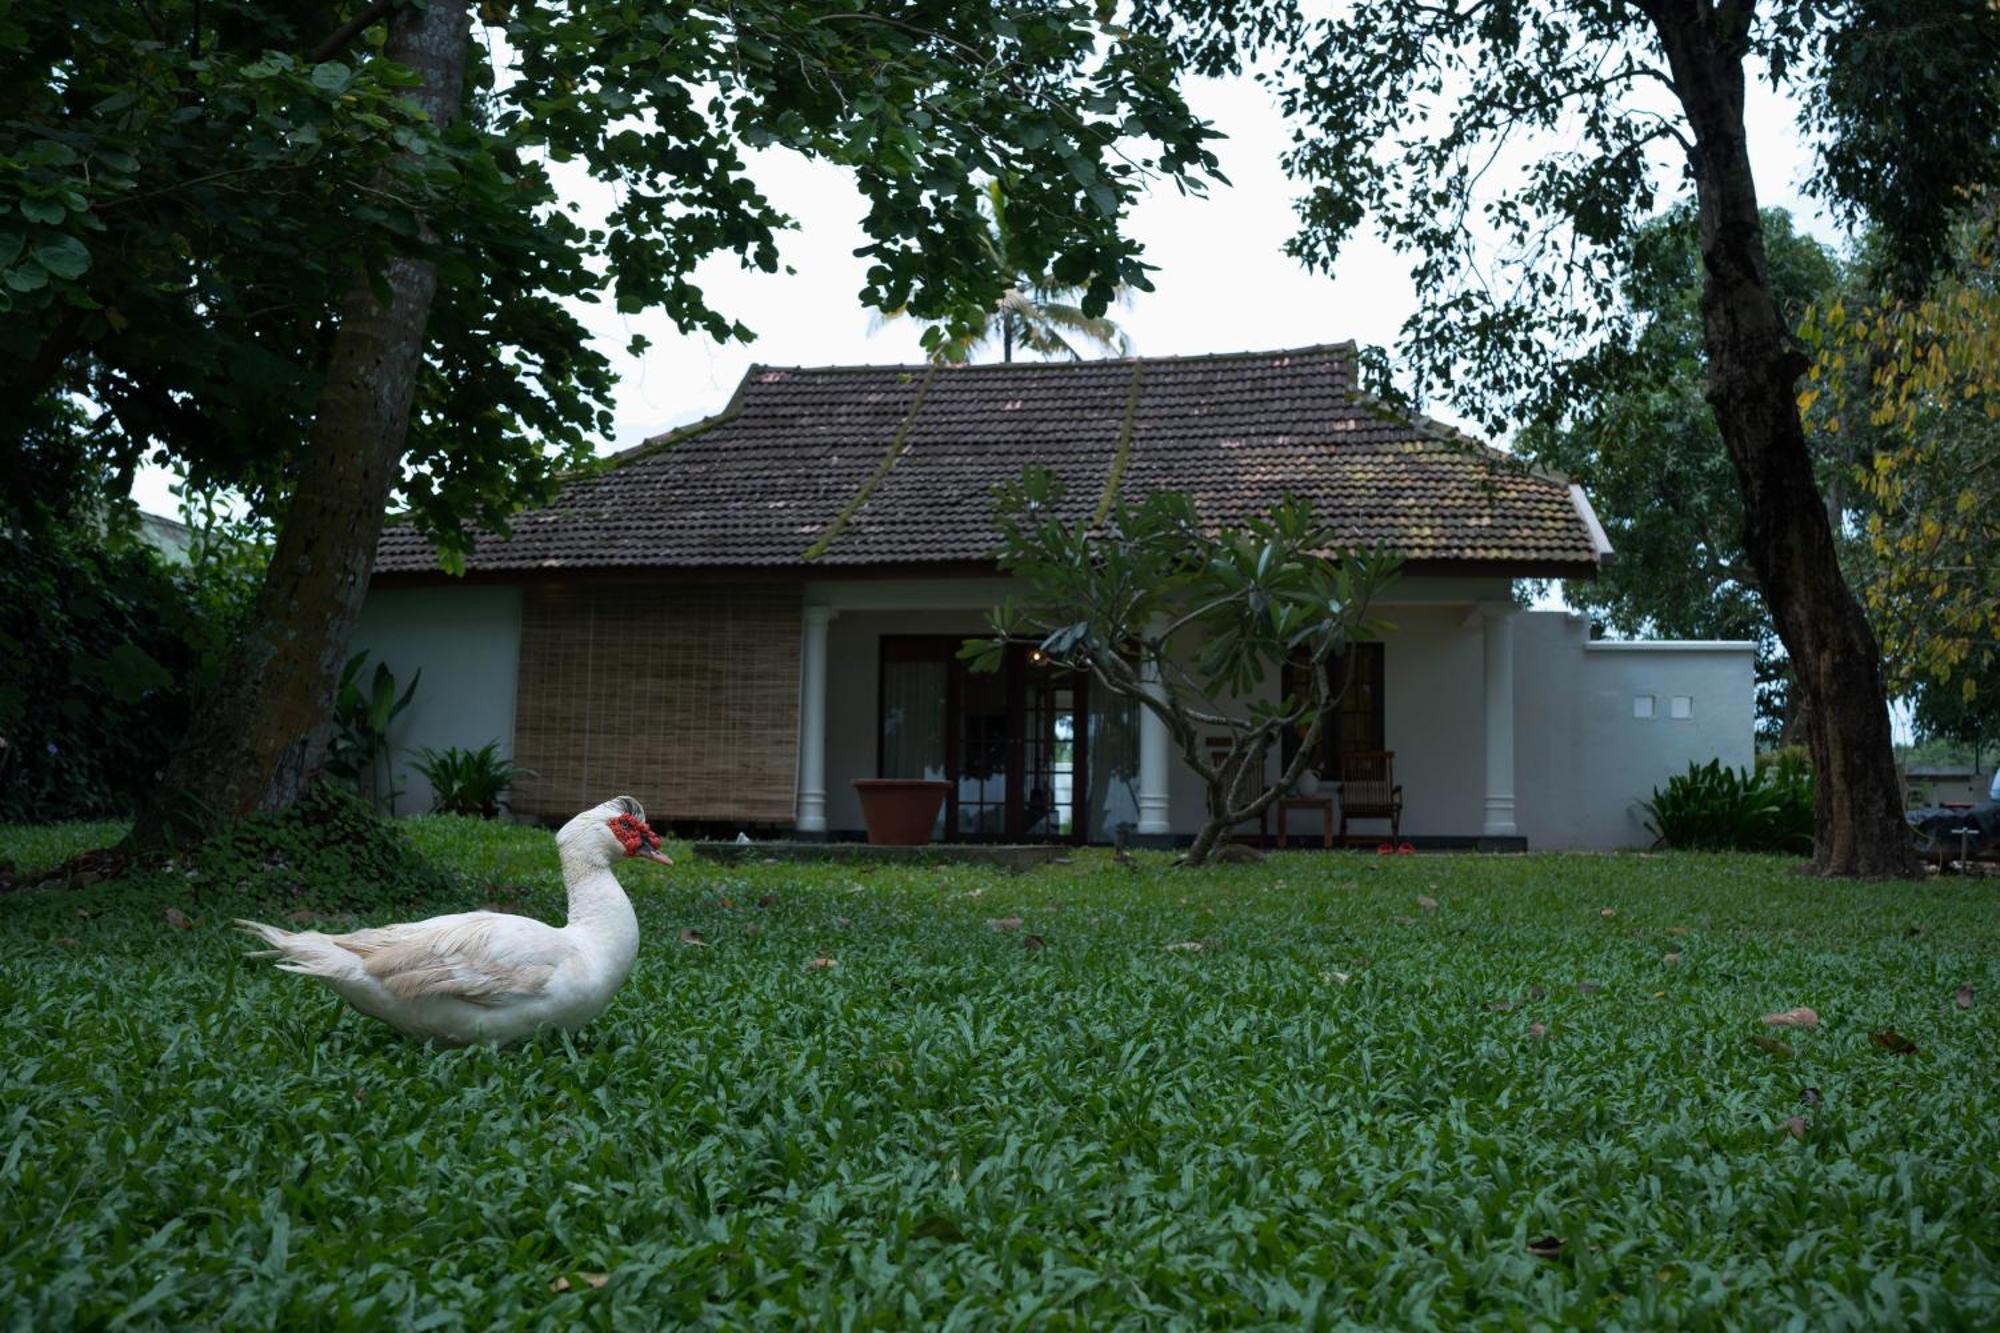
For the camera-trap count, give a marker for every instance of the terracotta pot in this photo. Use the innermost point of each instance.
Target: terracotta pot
(900, 812)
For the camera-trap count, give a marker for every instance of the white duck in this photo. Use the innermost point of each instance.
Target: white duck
(489, 976)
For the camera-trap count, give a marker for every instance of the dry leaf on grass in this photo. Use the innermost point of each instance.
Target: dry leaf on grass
(1964, 997)
(841, 923)
(725, 903)
(1588, 987)
(1769, 1043)
(1548, 1247)
(1810, 1097)
(1893, 1041)
(1536, 993)
(1677, 930)
(1800, 1017)
(1342, 977)
(767, 900)
(592, 1280)
(178, 919)
(1538, 1029)
(1404, 920)
(753, 927)
(1004, 923)
(693, 936)
(1499, 1006)
(1185, 946)
(1608, 912)
(70, 940)
(820, 963)
(1034, 942)
(301, 916)
(1672, 960)
(1795, 1126)
(1428, 903)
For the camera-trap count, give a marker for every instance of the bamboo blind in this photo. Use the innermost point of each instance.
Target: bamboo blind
(685, 695)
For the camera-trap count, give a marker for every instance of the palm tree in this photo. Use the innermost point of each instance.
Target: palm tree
(1035, 313)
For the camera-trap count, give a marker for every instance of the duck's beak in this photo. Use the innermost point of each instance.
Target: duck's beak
(655, 854)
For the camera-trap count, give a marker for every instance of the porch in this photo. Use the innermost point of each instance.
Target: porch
(1038, 755)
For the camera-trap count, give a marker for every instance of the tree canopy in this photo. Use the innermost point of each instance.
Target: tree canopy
(1515, 153)
(1640, 437)
(185, 187)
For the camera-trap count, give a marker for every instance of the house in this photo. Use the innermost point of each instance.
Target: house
(737, 619)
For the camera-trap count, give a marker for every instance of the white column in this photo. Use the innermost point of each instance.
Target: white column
(812, 721)
(1499, 722)
(1155, 750)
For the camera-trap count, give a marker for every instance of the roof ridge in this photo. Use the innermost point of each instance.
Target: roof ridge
(1345, 348)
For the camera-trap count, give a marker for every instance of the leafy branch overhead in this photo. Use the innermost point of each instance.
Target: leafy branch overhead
(179, 270)
(1190, 623)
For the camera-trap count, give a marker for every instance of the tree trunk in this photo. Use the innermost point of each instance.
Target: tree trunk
(261, 734)
(1753, 371)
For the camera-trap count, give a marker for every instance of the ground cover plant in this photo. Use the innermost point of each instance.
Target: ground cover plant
(1409, 1091)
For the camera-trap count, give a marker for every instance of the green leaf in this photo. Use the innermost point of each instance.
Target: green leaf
(65, 257)
(332, 77)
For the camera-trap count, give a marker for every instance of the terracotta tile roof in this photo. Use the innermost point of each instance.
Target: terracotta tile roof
(872, 465)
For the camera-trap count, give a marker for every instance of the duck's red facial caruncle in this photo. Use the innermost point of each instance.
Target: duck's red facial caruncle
(636, 836)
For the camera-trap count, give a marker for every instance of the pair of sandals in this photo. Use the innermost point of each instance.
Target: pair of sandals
(1392, 849)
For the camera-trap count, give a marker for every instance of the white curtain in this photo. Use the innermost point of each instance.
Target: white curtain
(1113, 761)
(913, 699)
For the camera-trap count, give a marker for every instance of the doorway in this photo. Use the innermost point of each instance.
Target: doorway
(1012, 743)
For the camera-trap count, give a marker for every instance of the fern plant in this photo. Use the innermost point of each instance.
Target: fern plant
(469, 782)
(1714, 808)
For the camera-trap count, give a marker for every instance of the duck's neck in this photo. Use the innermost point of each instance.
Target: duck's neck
(597, 902)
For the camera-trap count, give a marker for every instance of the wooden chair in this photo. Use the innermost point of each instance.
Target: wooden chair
(1368, 790)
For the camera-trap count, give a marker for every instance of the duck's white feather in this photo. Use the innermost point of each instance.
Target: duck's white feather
(483, 976)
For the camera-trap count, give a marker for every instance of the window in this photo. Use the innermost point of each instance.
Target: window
(1358, 722)
(1642, 705)
(1682, 706)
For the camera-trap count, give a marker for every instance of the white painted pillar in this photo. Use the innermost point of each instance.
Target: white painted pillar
(1155, 752)
(811, 817)
(1499, 631)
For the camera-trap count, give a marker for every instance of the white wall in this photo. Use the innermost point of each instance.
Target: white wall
(1582, 761)
(467, 641)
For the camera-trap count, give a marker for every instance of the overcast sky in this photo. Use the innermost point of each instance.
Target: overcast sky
(1223, 281)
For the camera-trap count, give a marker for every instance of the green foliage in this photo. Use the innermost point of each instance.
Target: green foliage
(102, 646)
(1333, 1112)
(187, 187)
(1636, 431)
(362, 717)
(469, 782)
(1035, 313)
(1118, 590)
(326, 852)
(1918, 380)
(1713, 808)
(1523, 192)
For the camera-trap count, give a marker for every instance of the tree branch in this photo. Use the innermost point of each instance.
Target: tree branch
(336, 41)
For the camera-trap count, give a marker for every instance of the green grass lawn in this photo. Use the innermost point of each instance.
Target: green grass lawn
(1334, 1111)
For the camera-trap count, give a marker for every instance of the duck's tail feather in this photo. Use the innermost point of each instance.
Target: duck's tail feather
(304, 952)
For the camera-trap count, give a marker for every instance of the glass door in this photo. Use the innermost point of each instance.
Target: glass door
(1012, 743)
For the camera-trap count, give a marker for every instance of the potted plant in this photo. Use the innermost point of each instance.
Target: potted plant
(900, 812)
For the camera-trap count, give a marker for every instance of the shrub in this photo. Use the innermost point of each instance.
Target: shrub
(359, 750)
(1713, 808)
(101, 647)
(468, 782)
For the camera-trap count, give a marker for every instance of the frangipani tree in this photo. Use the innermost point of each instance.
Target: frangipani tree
(1188, 622)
